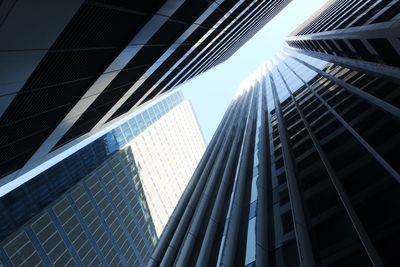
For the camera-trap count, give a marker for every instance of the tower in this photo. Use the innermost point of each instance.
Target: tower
(303, 169)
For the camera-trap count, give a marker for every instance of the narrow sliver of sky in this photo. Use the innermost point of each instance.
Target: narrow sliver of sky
(212, 91)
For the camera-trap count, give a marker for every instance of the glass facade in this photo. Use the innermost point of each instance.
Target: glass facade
(123, 134)
(103, 220)
(168, 144)
(33, 198)
(24, 202)
(167, 153)
(304, 167)
(27, 200)
(302, 171)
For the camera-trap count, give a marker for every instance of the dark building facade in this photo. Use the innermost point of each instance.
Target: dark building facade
(30, 198)
(73, 68)
(103, 220)
(302, 171)
(361, 34)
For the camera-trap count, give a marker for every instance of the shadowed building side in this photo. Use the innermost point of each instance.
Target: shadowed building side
(364, 35)
(103, 220)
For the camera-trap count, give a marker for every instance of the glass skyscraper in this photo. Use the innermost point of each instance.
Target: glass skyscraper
(97, 206)
(22, 203)
(303, 170)
(168, 144)
(167, 153)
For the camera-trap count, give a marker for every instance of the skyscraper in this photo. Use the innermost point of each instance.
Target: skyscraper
(167, 153)
(72, 69)
(129, 178)
(168, 144)
(304, 167)
(21, 201)
(303, 170)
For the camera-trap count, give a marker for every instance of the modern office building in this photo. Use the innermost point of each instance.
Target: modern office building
(360, 34)
(71, 69)
(103, 220)
(302, 171)
(167, 144)
(153, 171)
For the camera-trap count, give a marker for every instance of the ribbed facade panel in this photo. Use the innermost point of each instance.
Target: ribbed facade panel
(303, 170)
(355, 30)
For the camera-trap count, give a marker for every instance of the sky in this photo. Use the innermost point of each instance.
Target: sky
(212, 91)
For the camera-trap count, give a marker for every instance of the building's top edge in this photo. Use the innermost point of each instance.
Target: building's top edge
(247, 83)
(311, 18)
(251, 80)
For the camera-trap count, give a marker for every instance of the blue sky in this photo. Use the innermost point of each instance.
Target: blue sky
(212, 91)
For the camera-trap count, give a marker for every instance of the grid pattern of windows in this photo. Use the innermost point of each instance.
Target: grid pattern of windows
(167, 153)
(27, 200)
(76, 215)
(130, 129)
(19, 250)
(51, 241)
(103, 220)
(168, 144)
